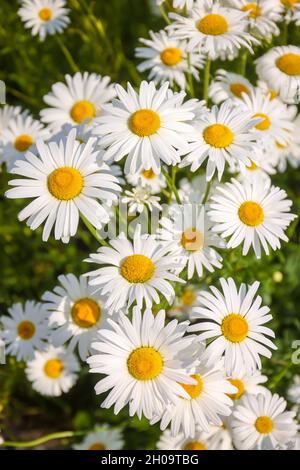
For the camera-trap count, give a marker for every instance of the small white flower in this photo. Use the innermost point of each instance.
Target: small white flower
(228, 85)
(140, 198)
(102, 438)
(147, 178)
(201, 441)
(246, 383)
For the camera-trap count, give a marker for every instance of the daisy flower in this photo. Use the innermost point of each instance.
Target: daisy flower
(65, 180)
(148, 127)
(139, 199)
(294, 390)
(52, 372)
(75, 314)
(290, 152)
(286, 10)
(220, 437)
(212, 29)
(25, 329)
(189, 228)
(224, 135)
(246, 383)
(102, 438)
(147, 178)
(263, 163)
(260, 421)
(167, 59)
(81, 98)
(228, 85)
(7, 113)
(252, 214)
(141, 364)
(207, 400)
(134, 271)
(44, 16)
(234, 318)
(280, 69)
(18, 137)
(200, 441)
(183, 304)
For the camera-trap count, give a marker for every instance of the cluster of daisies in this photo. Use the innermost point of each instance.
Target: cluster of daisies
(166, 346)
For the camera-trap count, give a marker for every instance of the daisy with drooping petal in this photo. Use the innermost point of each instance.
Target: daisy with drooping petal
(75, 314)
(134, 271)
(246, 383)
(81, 98)
(207, 400)
(20, 136)
(200, 441)
(140, 198)
(64, 180)
(148, 127)
(235, 319)
(52, 372)
(252, 214)
(189, 228)
(223, 136)
(167, 59)
(102, 438)
(212, 29)
(25, 330)
(228, 85)
(260, 421)
(141, 364)
(280, 69)
(44, 16)
(147, 178)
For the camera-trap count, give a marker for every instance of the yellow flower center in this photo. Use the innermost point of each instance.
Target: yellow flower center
(218, 136)
(192, 239)
(264, 124)
(26, 329)
(264, 425)
(97, 446)
(238, 88)
(171, 56)
(145, 363)
(23, 142)
(240, 386)
(289, 64)
(149, 174)
(86, 313)
(194, 390)
(54, 368)
(281, 146)
(137, 268)
(252, 166)
(289, 3)
(144, 122)
(254, 10)
(195, 445)
(251, 213)
(213, 25)
(82, 110)
(45, 14)
(65, 183)
(272, 94)
(188, 297)
(235, 328)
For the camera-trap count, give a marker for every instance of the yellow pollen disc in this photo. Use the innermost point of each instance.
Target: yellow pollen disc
(281, 146)
(252, 166)
(26, 329)
(264, 124)
(195, 445)
(65, 183)
(82, 110)
(97, 446)
(254, 10)
(23, 142)
(251, 213)
(238, 88)
(145, 363)
(192, 239)
(289, 3)
(264, 425)
(137, 268)
(188, 297)
(149, 174)
(86, 313)
(144, 122)
(235, 328)
(218, 136)
(54, 368)
(273, 94)
(289, 64)
(171, 56)
(213, 25)
(194, 390)
(240, 386)
(45, 14)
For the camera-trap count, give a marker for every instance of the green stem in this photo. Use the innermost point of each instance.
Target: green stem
(206, 79)
(243, 63)
(43, 439)
(93, 231)
(208, 186)
(171, 183)
(190, 78)
(67, 55)
(164, 14)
